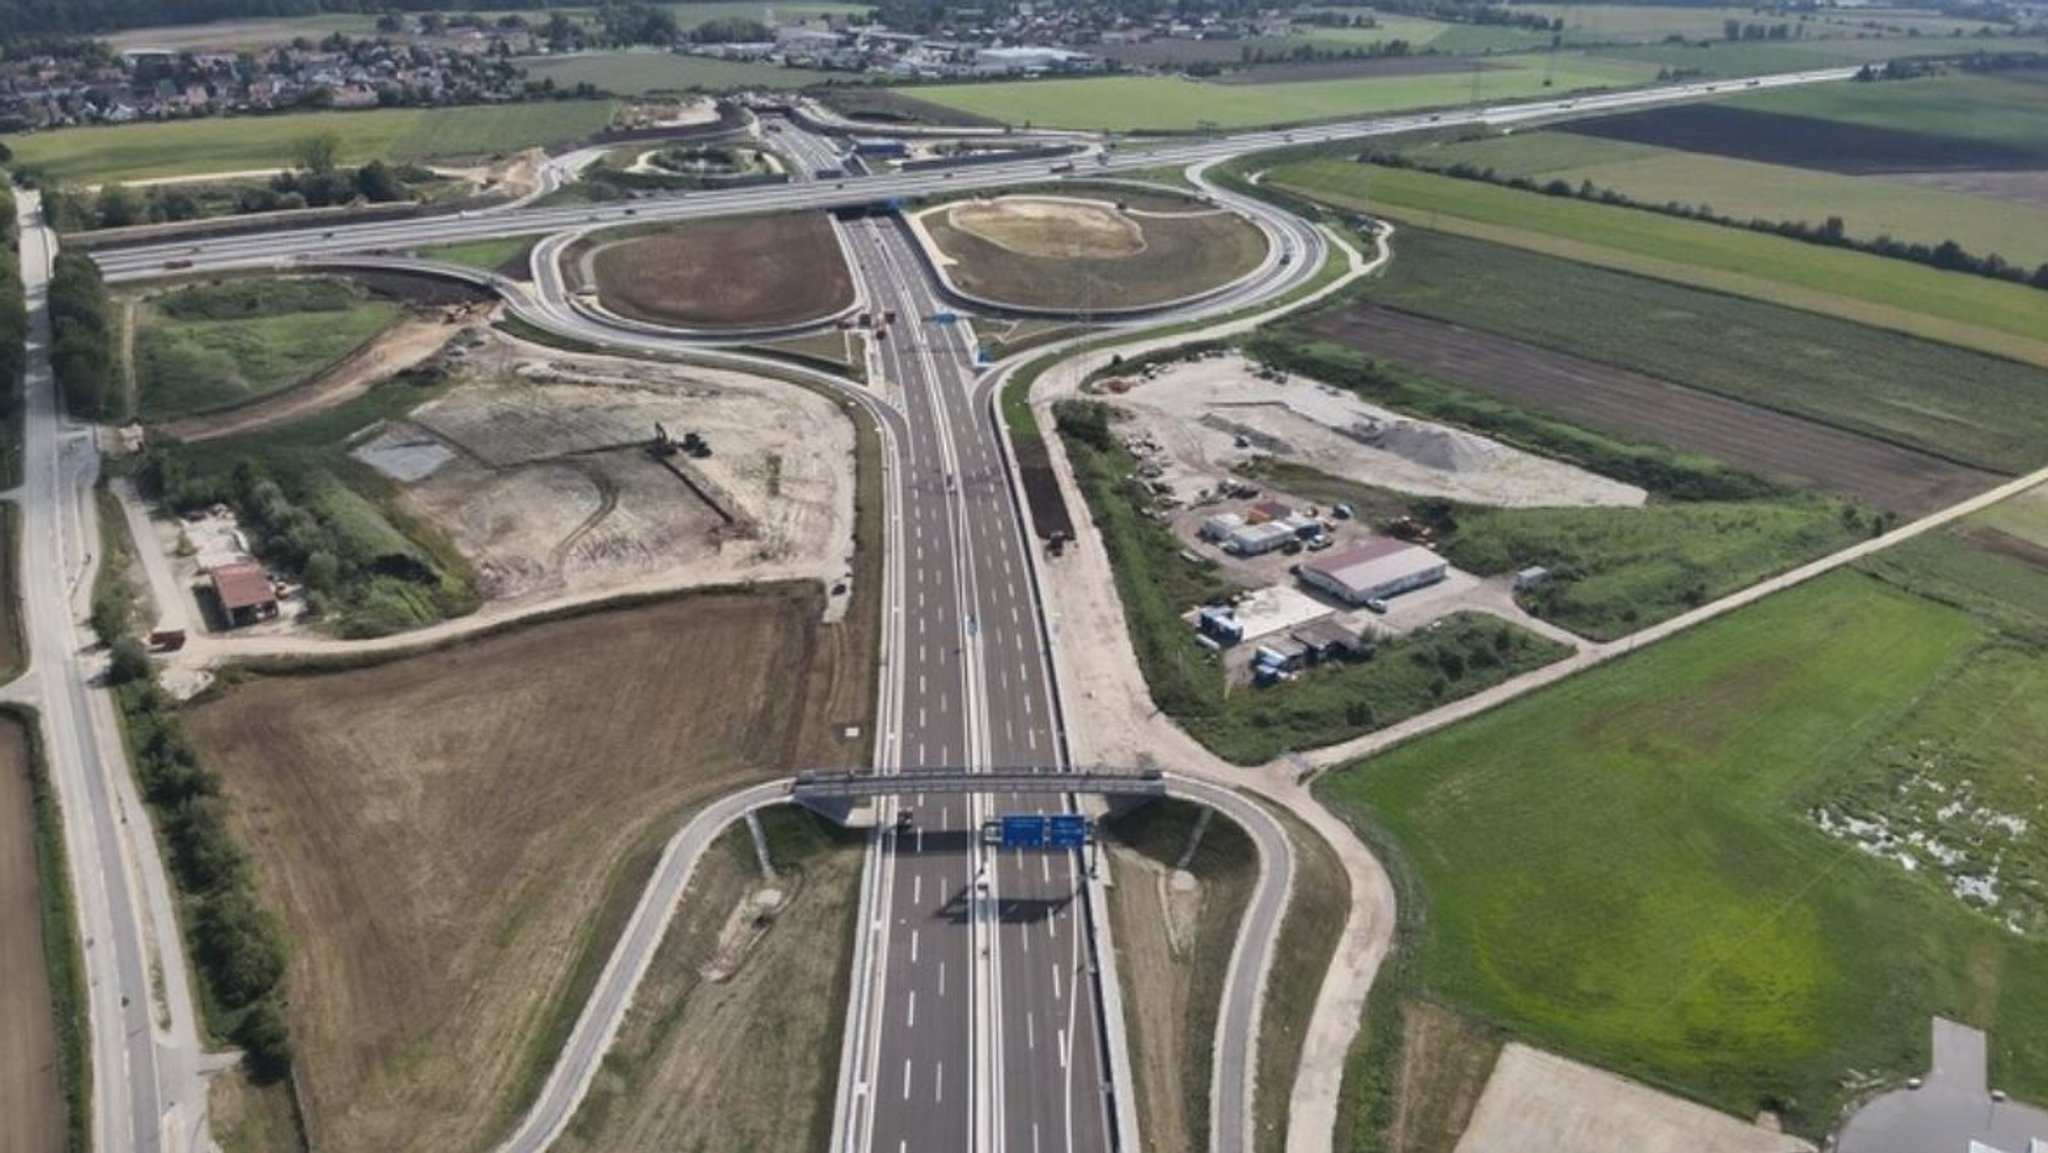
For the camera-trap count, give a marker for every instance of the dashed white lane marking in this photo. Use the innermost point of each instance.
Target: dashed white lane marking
(913, 950)
(1055, 987)
(906, 1078)
(910, 1014)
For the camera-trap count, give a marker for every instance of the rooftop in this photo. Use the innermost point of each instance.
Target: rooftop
(242, 585)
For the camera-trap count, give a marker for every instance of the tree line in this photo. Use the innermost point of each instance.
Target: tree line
(239, 948)
(1948, 255)
(29, 18)
(13, 313)
(81, 334)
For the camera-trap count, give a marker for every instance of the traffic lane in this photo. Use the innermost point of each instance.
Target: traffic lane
(922, 1087)
(1051, 1060)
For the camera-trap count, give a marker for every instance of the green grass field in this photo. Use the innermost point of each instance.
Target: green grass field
(214, 345)
(1972, 408)
(1985, 108)
(234, 144)
(640, 72)
(1971, 311)
(1165, 103)
(2024, 516)
(1751, 58)
(1623, 867)
(490, 255)
(1870, 206)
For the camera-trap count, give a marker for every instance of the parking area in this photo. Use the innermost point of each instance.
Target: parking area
(1953, 1109)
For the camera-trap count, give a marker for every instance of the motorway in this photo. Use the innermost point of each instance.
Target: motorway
(950, 1050)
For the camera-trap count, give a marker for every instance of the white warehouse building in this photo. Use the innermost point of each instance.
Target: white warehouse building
(1375, 569)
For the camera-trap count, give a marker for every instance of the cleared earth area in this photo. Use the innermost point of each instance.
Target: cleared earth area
(1617, 400)
(740, 272)
(32, 1117)
(732, 1040)
(1084, 254)
(454, 839)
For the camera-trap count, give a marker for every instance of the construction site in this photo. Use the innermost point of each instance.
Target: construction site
(1321, 580)
(571, 474)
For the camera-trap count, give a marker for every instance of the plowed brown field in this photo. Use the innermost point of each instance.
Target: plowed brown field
(1642, 407)
(454, 839)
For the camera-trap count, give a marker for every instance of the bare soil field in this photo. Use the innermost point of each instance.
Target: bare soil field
(1083, 254)
(738, 272)
(1351, 69)
(32, 1117)
(454, 839)
(1801, 141)
(542, 477)
(733, 1039)
(1445, 1063)
(1537, 1102)
(2028, 188)
(1631, 404)
(1201, 411)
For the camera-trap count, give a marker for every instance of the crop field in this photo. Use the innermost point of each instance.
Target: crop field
(732, 1041)
(219, 344)
(1638, 406)
(1852, 377)
(1869, 206)
(688, 275)
(895, 106)
(1166, 104)
(32, 1106)
(1846, 145)
(1084, 254)
(636, 73)
(1381, 67)
(1992, 112)
(454, 839)
(234, 144)
(1625, 868)
(1970, 311)
(1174, 931)
(1754, 58)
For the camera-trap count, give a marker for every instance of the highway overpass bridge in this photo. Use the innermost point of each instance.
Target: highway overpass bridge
(834, 794)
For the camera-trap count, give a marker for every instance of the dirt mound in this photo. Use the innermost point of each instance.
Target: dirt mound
(1059, 229)
(1434, 447)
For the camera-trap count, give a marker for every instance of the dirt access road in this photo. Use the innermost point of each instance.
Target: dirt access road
(1631, 404)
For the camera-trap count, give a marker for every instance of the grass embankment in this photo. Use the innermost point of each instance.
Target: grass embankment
(1092, 256)
(1955, 308)
(1174, 947)
(505, 255)
(369, 567)
(1173, 104)
(732, 1040)
(220, 344)
(246, 143)
(1746, 190)
(1976, 409)
(1410, 674)
(1626, 867)
(46, 1092)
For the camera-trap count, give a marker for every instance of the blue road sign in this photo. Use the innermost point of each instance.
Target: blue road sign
(1024, 831)
(1067, 831)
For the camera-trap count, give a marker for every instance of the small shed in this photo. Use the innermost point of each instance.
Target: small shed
(1532, 577)
(244, 592)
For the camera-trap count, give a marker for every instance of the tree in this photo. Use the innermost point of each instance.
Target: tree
(115, 207)
(263, 1036)
(130, 662)
(378, 184)
(318, 152)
